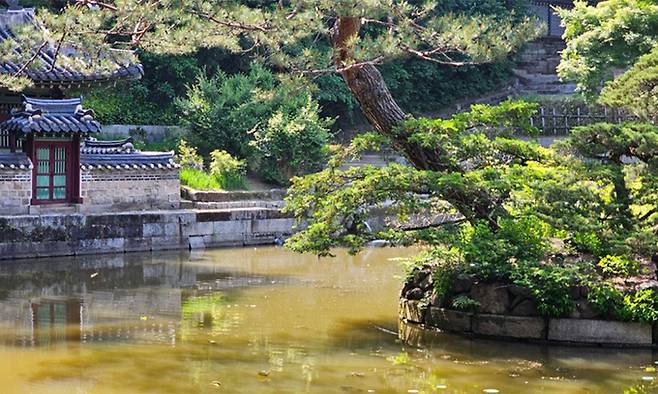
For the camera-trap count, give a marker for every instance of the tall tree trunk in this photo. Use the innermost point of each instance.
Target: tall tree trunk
(367, 85)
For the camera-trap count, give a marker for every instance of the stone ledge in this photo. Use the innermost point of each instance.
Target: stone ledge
(509, 326)
(566, 331)
(411, 311)
(599, 332)
(449, 320)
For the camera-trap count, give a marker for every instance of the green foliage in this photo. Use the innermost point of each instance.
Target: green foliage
(618, 266)
(198, 179)
(549, 284)
(606, 299)
(188, 157)
(447, 264)
(490, 255)
(292, 144)
(272, 124)
(441, 85)
(465, 303)
(637, 89)
(641, 306)
(149, 100)
(608, 36)
(228, 170)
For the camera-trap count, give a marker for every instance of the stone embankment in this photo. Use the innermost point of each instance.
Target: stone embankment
(501, 310)
(234, 219)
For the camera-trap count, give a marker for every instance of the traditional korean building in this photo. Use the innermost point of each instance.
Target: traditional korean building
(50, 159)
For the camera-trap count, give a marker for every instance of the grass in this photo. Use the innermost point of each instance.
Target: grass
(201, 180)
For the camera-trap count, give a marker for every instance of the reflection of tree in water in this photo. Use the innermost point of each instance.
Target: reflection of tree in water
(208, 312)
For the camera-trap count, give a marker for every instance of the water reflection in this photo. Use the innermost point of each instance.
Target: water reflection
(261, 320)
(124, 297)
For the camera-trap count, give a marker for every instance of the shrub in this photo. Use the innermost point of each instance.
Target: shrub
(489, 254)
(188, 156)
(448, 265)
(641, 306)
(464, 303)
(292, 144)
(549, 284)
(228, 170)
(274, 125)
(605, 299)
(618, 266)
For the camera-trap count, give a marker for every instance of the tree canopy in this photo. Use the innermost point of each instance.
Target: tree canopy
(606, 38)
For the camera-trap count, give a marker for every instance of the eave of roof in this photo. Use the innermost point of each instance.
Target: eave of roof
(51, 116)
(44, 74)
(14, 161)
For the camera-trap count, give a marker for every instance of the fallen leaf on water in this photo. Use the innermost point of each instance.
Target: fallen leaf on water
(264, 373)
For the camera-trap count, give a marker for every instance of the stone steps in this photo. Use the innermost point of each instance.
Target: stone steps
(228, 205)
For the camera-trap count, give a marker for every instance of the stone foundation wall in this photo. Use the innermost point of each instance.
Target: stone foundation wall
(104, 191)
(567, 331)
(46, 235)
(15, 191)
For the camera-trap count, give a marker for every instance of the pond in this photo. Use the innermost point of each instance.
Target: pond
(261, 321)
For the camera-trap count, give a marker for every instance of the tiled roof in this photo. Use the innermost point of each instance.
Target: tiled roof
(59, 75)
(121, 155)
(51, 116)
(12, 161)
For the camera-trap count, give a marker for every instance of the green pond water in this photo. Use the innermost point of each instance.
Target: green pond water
(261, 320)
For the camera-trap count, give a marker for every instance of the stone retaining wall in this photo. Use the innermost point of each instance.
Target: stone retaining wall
(567, 331)
(104, 191)
(15, 191)
(28, 236)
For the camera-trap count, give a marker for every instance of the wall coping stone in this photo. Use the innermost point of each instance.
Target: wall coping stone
(549, 330)
(236, 195)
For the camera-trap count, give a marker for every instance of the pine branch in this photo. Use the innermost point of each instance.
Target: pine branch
(59, 46)
(31, 59)
(234, 24)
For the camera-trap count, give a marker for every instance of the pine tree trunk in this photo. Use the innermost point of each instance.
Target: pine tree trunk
(367, 85)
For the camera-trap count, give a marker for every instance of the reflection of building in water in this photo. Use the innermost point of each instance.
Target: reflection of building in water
(110, 298)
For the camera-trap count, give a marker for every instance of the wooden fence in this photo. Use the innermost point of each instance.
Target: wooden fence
(560, 120)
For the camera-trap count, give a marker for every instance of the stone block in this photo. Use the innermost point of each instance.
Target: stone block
(165, 243)
(493, 297)
(171, 229)
(450, 320)
(509, 326)
(273, 226)
(200, 228)
(411, 311)
(137, 244)
(104, 245)
(599, 332)
(153, 230)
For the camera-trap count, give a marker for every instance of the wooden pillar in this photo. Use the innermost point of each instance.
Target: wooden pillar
(12, 142)
(28, 148)
(74, 170)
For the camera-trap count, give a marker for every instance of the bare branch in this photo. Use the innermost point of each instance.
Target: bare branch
(59, 46)
(234, 24)
(36, 54)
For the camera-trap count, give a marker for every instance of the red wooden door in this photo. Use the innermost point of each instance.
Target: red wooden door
(51, 181)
